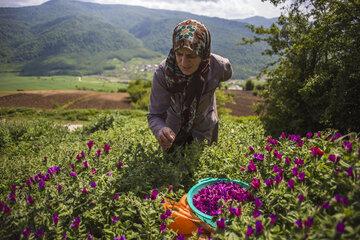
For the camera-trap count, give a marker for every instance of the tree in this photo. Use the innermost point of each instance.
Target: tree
(315, 84)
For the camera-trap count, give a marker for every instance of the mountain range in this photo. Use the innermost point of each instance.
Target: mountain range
(75, 38)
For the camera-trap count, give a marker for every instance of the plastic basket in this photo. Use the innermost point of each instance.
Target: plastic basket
(201, 184)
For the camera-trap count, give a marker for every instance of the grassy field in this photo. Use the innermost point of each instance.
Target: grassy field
(14, 83)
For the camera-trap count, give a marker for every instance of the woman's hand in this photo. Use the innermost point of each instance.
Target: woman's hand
(165, 137)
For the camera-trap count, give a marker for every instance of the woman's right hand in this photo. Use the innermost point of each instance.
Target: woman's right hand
(165, 137)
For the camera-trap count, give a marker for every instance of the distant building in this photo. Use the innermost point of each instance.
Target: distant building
(235, 87)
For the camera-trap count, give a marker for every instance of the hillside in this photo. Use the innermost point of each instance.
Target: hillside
(72, 37)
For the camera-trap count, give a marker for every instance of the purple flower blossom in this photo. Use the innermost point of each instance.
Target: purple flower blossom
(340, 228)
(41, 183)
(299, 223)
(180, 237)
(39, 233)
(344, 200)
(300, 143)
(337, 198)
(269, 182)
(116, 196)
(235, 211)
(154, 194)
(6, 208)
(268, 148)
(334, 158)
(120, 164)
(348, 146)
(251, 167)
(11, 197)
(114, 219)
(258, 156)
(258, 202)
(59, 187)
(107, 148)
(251, 149)
(283, 135)
(93, 184)
(78, 157)
(259, 227)
(30, 199)
(298, 162)
(350, 172)
(98, 152)
(278, 179)
(170, 188)
(326, 205)
(221, 223)
(163, 216)
(120, 238)
(255, 183)
(89, 236)
(256, 213)
(90, 144)
(163, 227)
(309, 135)
(287, 160)
(55, 218)
(85, 164)
(76, 222)
(200, 229)
(72, 166)
(26, 232)
(315, 151)
(93, 171)
(301, 176)
(249, 231)
(309, 222)
(73, 174)
(272, 218)
(85, 191)
(291, 183)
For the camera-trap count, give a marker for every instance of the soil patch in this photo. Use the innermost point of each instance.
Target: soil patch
(98, 100)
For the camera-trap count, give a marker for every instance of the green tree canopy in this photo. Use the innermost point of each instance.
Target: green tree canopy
(316, 82)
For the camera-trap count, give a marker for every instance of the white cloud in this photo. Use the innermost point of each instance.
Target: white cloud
(229, 9)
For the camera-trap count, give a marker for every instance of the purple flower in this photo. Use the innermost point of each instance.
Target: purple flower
(344, 200)
(251, 149)
(299, 223)
(301, 176)
(107, 147)
(283, 135)
(163, 227)
(39, 233)
(72, 166)
(90, 144)
(350, 172)
(170, 188)
(82, 154)
(6, 208)
(76, 222)
(255, 183)
(326, 205)
(249, 231)
(348, 146)
(337, 198)
(298, 162)
(258, 156)
(340, 228)
(180, 237)
(93, 184)
(73, 174)
(291, 183)
(269, 182)
(258, 226)
(235, 211)
(268, 148)
(26, 232)
(78, 157)
(41, 183)
(163, 216)
(278, 179)
(258, 202)
(309, 135)
(30, 199)
(315, 151)
(272, 218)
(85, 164)
(55, 218)
(114, 219)
(98, 152)
(84, 190)
(93, 171)
(221, 223)
(300, 143)
(200, 229)
(120, 164)
(257, 213)
(301, 198)
(251, 167)
(287, 160)
(59, 187)
(89, 236)
(309, 222)
(116, 196)
(154, 194)
(11, 197)
(334, 158)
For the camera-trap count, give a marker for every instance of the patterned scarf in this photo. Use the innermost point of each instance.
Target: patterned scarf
(195, 36)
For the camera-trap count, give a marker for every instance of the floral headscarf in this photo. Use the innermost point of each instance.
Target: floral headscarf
(195, 36)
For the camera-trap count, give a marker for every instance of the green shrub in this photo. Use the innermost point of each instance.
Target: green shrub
(249, 85)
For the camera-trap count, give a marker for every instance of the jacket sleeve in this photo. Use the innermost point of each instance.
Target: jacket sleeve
(227, 69)
(159, 101)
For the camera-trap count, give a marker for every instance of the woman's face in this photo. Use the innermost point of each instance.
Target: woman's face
(187, 60)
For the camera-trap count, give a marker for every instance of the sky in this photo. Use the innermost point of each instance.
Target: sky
(228, 9)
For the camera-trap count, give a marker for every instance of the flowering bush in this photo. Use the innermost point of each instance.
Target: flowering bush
(111, 182)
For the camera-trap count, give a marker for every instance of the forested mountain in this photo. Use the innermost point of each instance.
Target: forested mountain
(72, 37)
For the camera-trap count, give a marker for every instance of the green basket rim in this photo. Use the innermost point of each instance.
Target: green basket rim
(201, 184)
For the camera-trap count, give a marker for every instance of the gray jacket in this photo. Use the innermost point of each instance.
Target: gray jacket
(165, 107)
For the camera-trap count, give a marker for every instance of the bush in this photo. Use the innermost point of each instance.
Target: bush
(249, 85)
(139, 91)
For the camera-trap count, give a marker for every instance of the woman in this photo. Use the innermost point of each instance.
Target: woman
(182, 101)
